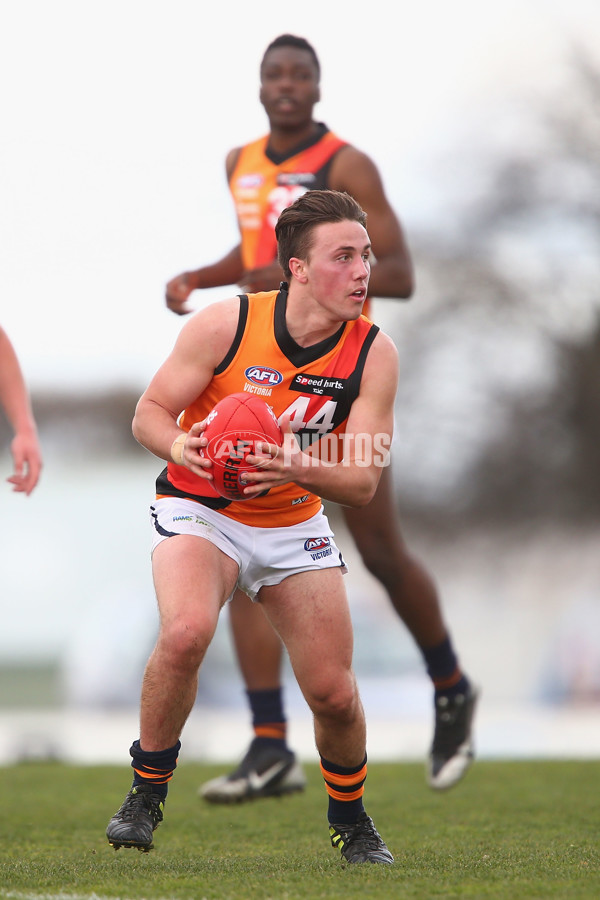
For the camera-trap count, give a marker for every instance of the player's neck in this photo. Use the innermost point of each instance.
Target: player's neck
(283, 139)
(307, 322)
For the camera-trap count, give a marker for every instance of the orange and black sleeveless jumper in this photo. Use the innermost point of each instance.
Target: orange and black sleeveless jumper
(315, 386)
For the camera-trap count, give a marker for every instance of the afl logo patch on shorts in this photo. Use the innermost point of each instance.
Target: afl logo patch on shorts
(318, 547)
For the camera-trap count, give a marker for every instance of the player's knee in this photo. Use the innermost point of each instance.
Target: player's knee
(185, 643)
(382, 563)
(336, 701)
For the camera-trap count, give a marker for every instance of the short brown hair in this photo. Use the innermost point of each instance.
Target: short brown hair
(295, 226)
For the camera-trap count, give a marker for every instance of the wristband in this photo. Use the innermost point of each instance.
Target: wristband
(177, 449)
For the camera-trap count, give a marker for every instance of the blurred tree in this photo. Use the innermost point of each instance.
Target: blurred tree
(502, 362)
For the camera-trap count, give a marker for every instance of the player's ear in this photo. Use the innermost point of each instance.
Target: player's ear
(298, 269)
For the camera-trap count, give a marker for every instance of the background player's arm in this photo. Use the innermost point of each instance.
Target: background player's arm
(392, 270)
(227, 270)
(263, 278)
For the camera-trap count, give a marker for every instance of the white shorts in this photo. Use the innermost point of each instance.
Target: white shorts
(264, 556)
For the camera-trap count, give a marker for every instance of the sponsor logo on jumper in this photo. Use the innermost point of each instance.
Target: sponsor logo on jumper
(318, 384)
(306, 178)
(318, 547)
(302, 499)
(263, 376)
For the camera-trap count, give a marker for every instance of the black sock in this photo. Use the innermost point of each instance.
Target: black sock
(444, 670)
(154, 767)
(345, 787)
(268, 717)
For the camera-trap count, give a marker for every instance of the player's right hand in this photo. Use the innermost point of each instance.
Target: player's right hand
(195, 459)
(263, 278)
(177, 292)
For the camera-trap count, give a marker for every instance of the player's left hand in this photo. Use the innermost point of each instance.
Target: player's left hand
(27, 460)
(284, 464)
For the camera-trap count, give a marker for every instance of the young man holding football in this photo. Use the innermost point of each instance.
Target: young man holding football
(205, 547)
(298, 154)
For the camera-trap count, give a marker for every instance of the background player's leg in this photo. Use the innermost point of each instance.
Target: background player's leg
(413, 594)
(269, 767)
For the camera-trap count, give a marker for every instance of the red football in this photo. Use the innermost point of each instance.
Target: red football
(234, 425)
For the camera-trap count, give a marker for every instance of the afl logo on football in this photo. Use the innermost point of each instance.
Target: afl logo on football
(313, 544)
(263, 376)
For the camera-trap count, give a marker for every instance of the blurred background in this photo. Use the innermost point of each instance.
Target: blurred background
(484, 119)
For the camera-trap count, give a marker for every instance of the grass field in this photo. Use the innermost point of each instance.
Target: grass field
(511, 830)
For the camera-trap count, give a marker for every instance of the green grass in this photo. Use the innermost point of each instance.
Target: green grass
(511, 830)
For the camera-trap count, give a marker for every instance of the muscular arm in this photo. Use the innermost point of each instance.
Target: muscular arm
(392, 272)
(353, 481)
(202, 344)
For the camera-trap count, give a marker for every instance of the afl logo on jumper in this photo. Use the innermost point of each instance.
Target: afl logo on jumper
(248, 181)
(318, 547)
(263, 376)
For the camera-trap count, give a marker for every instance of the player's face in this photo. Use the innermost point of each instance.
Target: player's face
(289, 86)
(338, 267)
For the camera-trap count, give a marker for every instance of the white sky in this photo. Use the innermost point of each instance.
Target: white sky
(117, 116)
